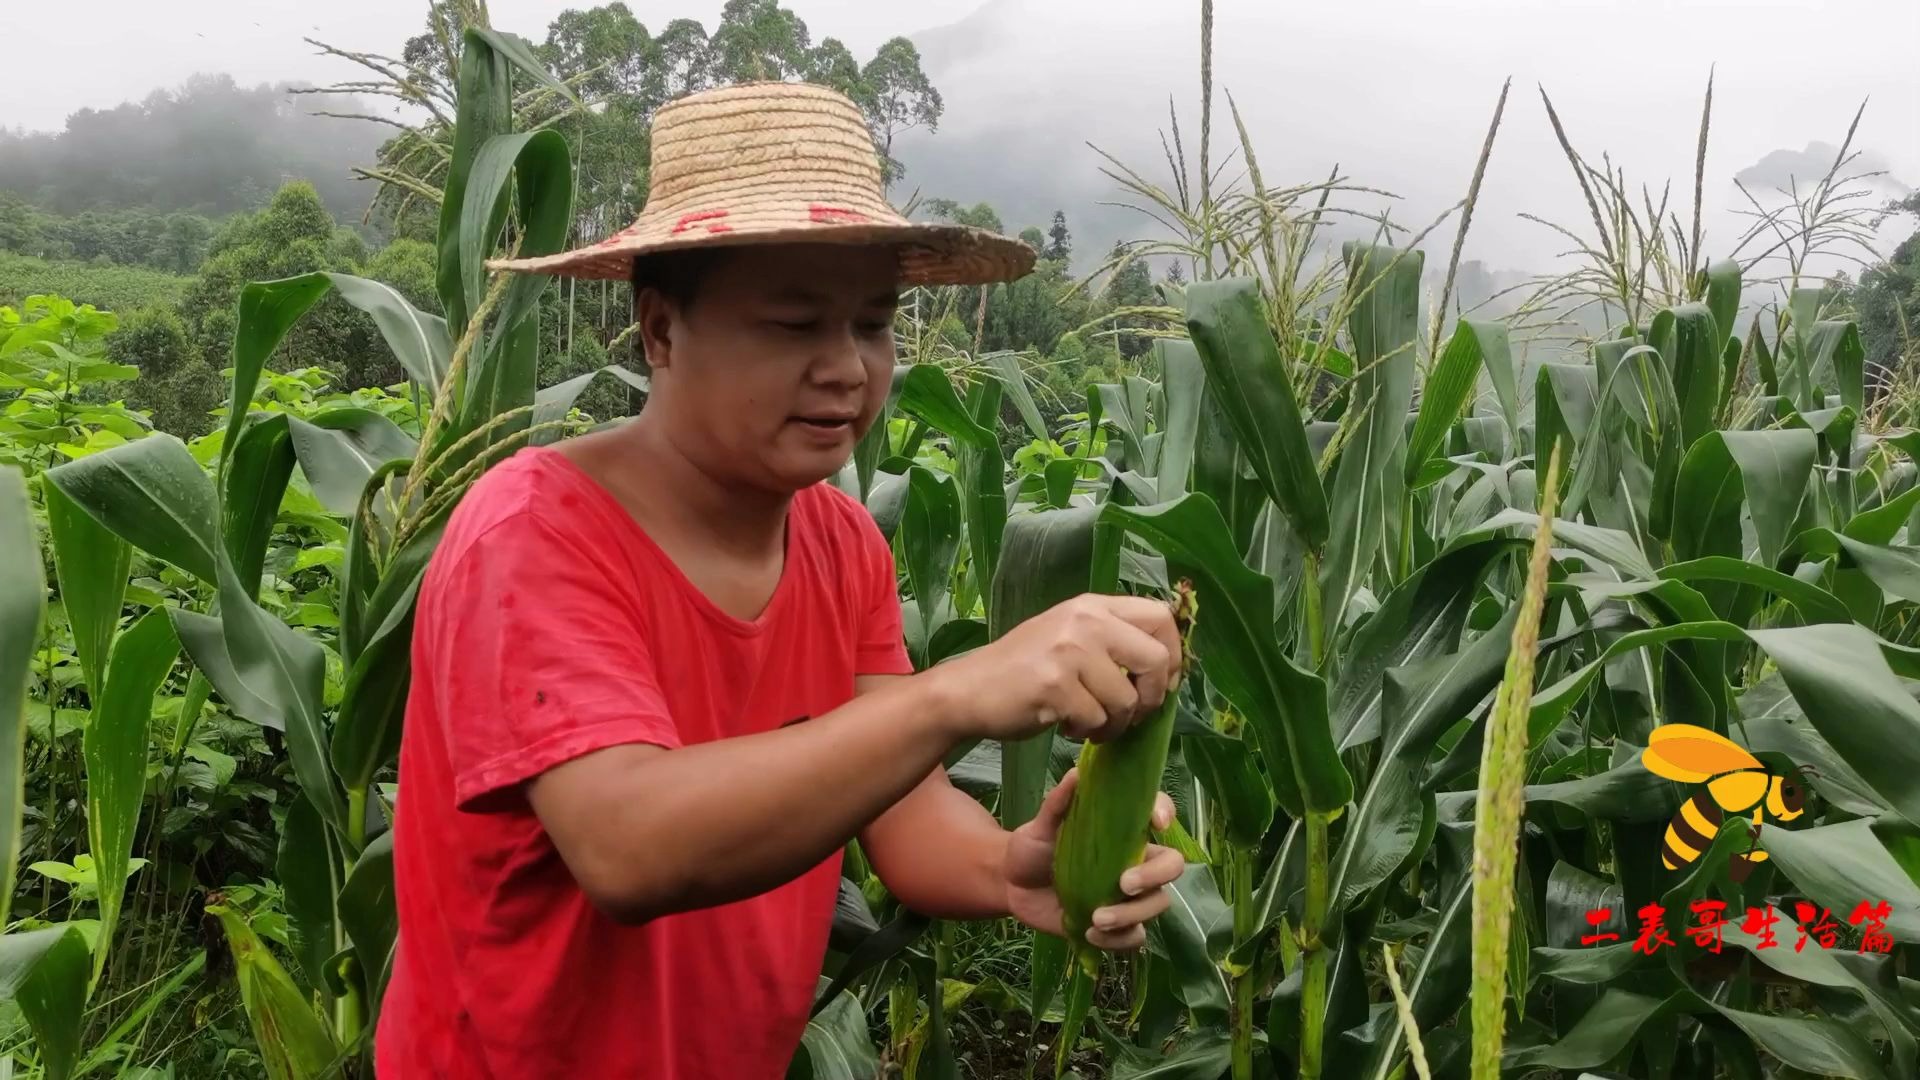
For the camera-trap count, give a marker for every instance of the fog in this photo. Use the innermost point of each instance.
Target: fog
(1397, 93)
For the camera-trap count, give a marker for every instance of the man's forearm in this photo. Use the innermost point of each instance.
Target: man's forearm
(941, 853)
(716, 822)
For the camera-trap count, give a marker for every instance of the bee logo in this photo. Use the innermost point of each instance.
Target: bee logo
(1733, 783)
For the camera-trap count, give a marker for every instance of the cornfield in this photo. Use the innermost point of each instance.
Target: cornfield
(1445, 602)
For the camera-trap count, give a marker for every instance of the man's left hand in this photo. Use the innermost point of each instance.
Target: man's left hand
(1118, 927)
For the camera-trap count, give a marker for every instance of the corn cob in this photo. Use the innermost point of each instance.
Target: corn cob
(1105, 830)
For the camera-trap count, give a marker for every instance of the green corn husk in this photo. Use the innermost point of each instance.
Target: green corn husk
(1106, 827)
(294, 1041)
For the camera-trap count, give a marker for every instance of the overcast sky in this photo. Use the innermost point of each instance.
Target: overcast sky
(1397, 91)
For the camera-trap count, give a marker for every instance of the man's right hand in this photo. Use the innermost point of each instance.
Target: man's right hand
(1093, 665)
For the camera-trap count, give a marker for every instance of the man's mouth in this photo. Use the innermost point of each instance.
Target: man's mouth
(826, 423)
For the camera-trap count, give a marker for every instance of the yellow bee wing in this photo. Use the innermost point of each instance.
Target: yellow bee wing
(1687, 754)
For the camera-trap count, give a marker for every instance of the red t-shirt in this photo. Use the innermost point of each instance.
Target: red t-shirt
(550, 626)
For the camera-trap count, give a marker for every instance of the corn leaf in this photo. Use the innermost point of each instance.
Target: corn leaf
(1248, 382)
(1369, 481)
(1285, 708)
(153, 494)
(1183, 380)
(91, 564)
(44, 972)
(115, 750)
(1047, 558)
(23, 597)
(294, 1043)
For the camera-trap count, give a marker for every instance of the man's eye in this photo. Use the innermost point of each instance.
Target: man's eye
(876, 329)
(797, 326)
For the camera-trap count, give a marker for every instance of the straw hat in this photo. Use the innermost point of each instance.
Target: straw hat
(770, 163)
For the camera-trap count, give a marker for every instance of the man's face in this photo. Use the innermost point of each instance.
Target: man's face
(781, 362)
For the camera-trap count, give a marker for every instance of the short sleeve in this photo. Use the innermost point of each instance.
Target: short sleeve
(882, 648)
(533, 658)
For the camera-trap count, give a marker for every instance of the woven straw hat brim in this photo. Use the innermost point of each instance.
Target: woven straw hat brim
(778, 163)
(929, 254)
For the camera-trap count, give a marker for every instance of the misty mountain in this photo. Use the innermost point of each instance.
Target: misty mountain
(209, 146)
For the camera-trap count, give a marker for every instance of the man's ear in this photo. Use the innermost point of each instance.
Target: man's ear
(654, 315)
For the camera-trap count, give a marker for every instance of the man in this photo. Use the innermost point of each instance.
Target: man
(659, 680)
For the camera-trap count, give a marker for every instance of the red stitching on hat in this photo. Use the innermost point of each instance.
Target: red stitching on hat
(834, 215)
(688, 221)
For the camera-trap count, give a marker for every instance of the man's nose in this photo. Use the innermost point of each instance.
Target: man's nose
(838, 362)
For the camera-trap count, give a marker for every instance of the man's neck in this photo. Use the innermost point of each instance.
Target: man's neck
(668, 492)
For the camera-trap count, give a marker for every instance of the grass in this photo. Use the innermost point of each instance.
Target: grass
(109, 288)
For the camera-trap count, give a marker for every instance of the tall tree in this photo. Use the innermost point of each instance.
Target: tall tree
(1131, 285)
(604, 50)
(1059, 241)
(900, 98)
(759, 39)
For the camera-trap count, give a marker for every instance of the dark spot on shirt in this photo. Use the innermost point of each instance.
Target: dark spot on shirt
(507, 601)
(570, 501)
(539, 697)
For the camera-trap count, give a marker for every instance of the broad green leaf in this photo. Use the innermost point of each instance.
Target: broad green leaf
(419, 341)
(23, 597)
(1200, 1055)
(268, 309)
(1695, 361)
(552, 404)
(1836, 359)
(115, 750)
(1421, 618)
(1551, 705)
(1814, 603)
(44, 972)
(1610, 546)
(1723, 300)
(1046, 558)
(153, 494)
(535, 167)
(1183, 379)
(1196, 928)
(366, 735)
(1422, 699)
(340, 450)
(835, 1044)
(91, 564)
(1803, 309)
(1285, 708)
(1837, 866)
(1049, 962)
(1369, 481)
(1872, 977)
(1853, 699)
(294, 1043)
(206, 644)
(1893, 567)
(926, 394)
(285, 672)
(520, 54)
(1232, 778)
(256, 481)
(1005, 366)
(1449, 386)
(367, 912)
(1248, 381)
(484, 86)
(311, 872)
(929, 541)
(982, 468)
(1767, 470)
(1762, 359)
